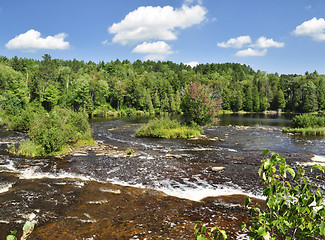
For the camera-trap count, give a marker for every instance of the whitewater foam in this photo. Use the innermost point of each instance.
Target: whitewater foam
(5, 188)
(33, 173)
(316, 159)
(194, 191)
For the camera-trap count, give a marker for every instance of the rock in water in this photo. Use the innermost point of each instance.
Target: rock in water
(217, 169)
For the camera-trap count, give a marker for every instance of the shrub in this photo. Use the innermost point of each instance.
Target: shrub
(167, 128)
(307, 120)
(198, 104)
(22, 120)
(53, 130)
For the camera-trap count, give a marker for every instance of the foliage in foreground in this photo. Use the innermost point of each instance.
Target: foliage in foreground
(167, 128)
(294, 207)
(27, 230)
(215, 233)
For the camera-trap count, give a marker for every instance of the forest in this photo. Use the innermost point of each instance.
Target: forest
(152, 87)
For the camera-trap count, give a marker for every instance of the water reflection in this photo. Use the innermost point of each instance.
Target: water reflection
(252, 119)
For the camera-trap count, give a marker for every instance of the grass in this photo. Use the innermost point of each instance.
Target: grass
(167, 128)
(28, 148)
(306, 131)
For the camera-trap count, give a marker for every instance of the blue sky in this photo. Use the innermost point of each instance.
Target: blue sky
(273, 36)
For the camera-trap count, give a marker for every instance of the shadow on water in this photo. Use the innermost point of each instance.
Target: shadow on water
(156, 193)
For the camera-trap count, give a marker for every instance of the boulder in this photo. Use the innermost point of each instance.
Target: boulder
(217, 169)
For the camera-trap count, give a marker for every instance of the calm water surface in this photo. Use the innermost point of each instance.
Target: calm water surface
(156, 193)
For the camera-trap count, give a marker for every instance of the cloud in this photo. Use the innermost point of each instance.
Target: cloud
(259, 48)
(263, 42)
(251, 52)
(105, 42)
(155, 23)
(308, 7)
(192, 64)
(238, 42)
(32, 41)
(155, 50)
(314, 28)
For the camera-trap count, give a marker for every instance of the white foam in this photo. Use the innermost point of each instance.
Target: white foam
(194, 191)
(316, 159)
(32, 173)
(5, 188)
(97, 202)
(9, 166)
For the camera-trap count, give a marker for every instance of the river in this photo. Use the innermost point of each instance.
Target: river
(155, 193)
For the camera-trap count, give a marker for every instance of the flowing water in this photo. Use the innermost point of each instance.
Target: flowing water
(155, 193)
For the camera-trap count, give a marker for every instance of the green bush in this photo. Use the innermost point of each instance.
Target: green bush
(167, 128)
(53, 130)
(22, 120)
(307, 120)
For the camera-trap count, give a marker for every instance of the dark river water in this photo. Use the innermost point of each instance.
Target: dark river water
(155, 193)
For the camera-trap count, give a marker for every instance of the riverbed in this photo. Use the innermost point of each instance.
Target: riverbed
(155, 193)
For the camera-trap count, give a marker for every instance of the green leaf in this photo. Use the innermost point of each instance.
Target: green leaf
(203, 229)
(322, 228)
(224, 235)
(266, 151)
(291, 171)
(247, 201)
(242, 226)
(11, 237)
(28, 226)
(13, 232)
(201, 238)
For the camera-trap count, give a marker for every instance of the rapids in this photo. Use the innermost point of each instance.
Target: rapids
(155, 193)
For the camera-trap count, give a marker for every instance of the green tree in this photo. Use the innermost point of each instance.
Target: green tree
(51, 97)
(279, 100)
(309, 98)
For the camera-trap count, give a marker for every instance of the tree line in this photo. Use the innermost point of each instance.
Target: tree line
(151, 86)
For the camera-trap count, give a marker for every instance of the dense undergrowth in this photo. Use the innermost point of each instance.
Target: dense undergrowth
(51, 132)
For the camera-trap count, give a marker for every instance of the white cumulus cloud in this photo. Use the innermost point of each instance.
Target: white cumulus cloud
(155, 23)
(314, 28)
(238, 42)
(192, 64)
(154, 47)
(251, 52)
(155, 51)
(32, 41)
(263, 42)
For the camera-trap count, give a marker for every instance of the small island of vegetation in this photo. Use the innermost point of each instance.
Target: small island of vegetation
(168, 128)
(307, 124)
